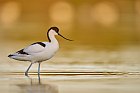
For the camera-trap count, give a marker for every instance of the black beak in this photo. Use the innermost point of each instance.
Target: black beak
(64, 37)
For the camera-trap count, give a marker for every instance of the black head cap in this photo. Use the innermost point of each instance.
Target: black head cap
(55, 29)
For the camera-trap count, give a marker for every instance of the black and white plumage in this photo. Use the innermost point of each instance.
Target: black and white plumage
(39, 51)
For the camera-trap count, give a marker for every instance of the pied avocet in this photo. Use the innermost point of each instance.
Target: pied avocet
(39, 51)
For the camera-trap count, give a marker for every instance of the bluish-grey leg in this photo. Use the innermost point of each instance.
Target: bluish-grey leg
(26, 73)
(38, 68)
(39, 72)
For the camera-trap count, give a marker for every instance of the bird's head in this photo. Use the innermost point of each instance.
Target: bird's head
(55, 31)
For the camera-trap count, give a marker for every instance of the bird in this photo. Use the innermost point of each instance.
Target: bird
(39, 51)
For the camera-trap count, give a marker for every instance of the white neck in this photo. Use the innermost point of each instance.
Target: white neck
(53, 39)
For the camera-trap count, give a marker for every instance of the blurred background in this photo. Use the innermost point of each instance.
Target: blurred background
(91, 22)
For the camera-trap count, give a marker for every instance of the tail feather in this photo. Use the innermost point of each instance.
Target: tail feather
(20, 57)
(10, 55)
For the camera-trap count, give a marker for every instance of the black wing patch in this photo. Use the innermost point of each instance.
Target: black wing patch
(22, 52)
(40, 43)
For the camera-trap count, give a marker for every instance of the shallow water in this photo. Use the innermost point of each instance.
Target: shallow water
(70, 84)
(77, 70)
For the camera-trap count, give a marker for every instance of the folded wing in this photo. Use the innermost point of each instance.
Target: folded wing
(35, 48)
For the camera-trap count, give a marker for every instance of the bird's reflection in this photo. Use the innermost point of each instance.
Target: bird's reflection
(37, 87)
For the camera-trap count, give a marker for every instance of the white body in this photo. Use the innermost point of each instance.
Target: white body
(38, 53)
